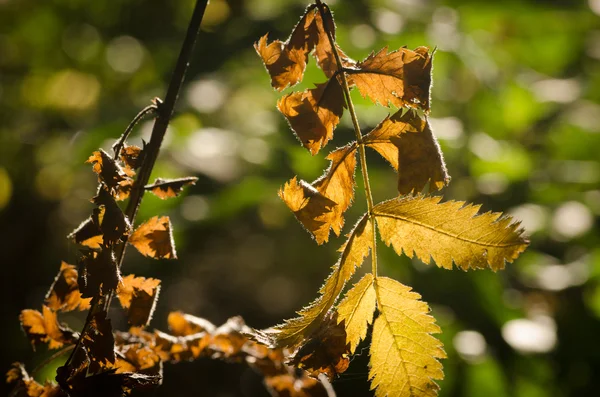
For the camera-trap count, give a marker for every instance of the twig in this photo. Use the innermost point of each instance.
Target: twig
(119, 144)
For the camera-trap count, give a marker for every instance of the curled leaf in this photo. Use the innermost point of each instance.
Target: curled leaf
(403, 352)
(407, 143)
(168, 188)
(154, 238)
(461, 235)
(313, 114)
(44, 328)
(88, 234)
(109, 172)
(132, 156)
(64, 292)
(182, 324)
(98, 273)
(138, 295)
(109, 218)
(401, 78)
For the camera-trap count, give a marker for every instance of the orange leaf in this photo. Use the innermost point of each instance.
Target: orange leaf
(132, 156)
(402, 78)
(109, 218)
(286, 62)
(167, 188)
(88, 234)
(107, 169)
(139, 296)
(98, 272)
(313, 114)
(44, 328)
(323, 52)
(64, 293)
(406, 141)
(99, 342)
(154, 238)
(182, 324)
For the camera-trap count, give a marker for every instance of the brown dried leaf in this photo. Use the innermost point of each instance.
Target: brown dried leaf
(286, 62)
(99, 342)
(27, 386)
(98, 272)
(406, 141)
(168, 188)
(109, 218)
(181, 348)
(402, 77)
(313, 114)
(138, 295)
(289, 385)
(45, 328)
(132, 156)
(154, 238)
(137, 357)
(64, 293)
(182, 324)
(325, 351)
(107, 169)
(88, 234)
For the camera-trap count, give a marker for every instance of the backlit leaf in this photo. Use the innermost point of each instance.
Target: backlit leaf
(406, 141)
(25, 385)
(313, 114)
(45, 328)
(109, 218)
(356, 310)
(356, 248)
(99, 342)
(167, 188)
(64, 294)
(403, 352)
(286, 62)
(154, 238)
(182, 324)
(401, 78)
(88, 234)
(449, 232)
(132, 156)
(138, 295)
(107, 169)
(323, 52)
(320, 207)
(98, 273)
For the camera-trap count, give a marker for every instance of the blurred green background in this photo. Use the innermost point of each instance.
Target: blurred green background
(516, 107)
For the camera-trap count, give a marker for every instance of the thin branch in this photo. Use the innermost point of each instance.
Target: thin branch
(359, 138)
(121, 142)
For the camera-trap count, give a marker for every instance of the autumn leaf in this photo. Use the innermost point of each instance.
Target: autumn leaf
(109, 172)
(64, 293)
(168, 188)
(44, 328)
(449, 232)
(138, 357)
(403, 352)
(109, 218)
(154, 238)
(98, 273)
(138, 295)
(320, 207)
(132, 156)
(356, 310)
(99, 342)
(325, 351)
(407, 143)
(323, 52)
(286, 62)
(24, 383)
(313, 114)
(181, 348)
(289, 385)
(182, 324)
(356, 248)
(88, 234)
(400, 78)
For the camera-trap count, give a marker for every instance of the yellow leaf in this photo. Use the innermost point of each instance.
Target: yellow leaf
(313, 114)
(138, 295)
(406, 141)
(64, 294)
(449, 232)
(154, 238)
(321, 207)
(356, 310)
(357, 247)
(45, 328)
(402, 78)
(403, 352)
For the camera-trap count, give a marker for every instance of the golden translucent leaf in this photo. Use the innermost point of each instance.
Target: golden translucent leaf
(356, 248)
(45, 328)
(99, 342)
(64, 294)
(88, 234)
(109, 218)
(403, 352)
(402, 77)
(449, 232)
(323, 52)
(154, 238)
(168, 188)
(313, 114)
(132, 156)
(107, 169)
(182, 324)
(320, 207)
(356, 310)
(406, 141)
(138, 295)
(286, 62)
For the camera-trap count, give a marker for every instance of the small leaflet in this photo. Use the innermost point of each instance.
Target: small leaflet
(168, 188)
(44, 328)
(109, 218)
(64, 294)
(154, 238)
(138, 295)
(356, 310)
(132, 156)
(109, 172)
(313, 114)
(88, 234)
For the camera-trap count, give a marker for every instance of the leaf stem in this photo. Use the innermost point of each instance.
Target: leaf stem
(121, 142)
(341, 71)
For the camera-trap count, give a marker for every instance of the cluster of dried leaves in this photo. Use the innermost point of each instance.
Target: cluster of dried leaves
(404, 354)
(105, 362)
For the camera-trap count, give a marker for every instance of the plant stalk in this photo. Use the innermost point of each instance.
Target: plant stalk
(359, 137)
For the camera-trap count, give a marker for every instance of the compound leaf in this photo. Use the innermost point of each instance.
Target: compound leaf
(403, 352)
(449, 232)
(407, 143)
(356, 310)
